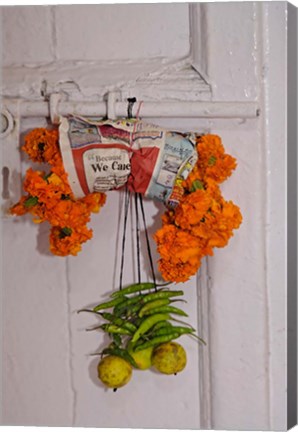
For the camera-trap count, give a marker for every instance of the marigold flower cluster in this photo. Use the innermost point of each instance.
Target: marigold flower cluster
(49, 196)
(203, 220)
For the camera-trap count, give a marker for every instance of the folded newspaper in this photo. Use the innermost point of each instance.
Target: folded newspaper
(101, 155)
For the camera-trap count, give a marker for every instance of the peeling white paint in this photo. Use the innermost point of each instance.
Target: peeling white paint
(153, 80)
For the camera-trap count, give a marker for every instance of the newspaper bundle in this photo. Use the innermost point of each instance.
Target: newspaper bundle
(101, 155)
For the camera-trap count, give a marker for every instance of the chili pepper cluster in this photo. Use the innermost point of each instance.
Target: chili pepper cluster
(141, 317)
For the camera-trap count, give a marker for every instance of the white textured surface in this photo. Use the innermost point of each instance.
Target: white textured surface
(130, 31)
(248, 293)
(238, 301)
(47, 373)
(232, 50)
(36, 380)
(27, 35)
(275, 136)
(135, 31)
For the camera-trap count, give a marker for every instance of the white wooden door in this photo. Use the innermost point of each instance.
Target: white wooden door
(230, 52)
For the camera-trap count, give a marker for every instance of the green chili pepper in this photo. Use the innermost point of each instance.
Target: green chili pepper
(182, 322)
(130, 346)
(107, 305)
(89, 310)
(111, 328)
(112, 318)
(125, 305)
(137, 321)
(135, 309)
(166, 309)
(157, 340)
(173, 329)
(93, 328)
(151, 305)
(118, 321)
(129, 313)
(119, 352)
(162, 324)
(197, 337)
(117, 339)
(184, 330)
(147, 324)
(161, 295)
(129, 326)
(108, 316)
(137, 287)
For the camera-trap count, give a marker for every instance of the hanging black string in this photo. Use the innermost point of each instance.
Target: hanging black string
(138, 238)
(131, 102)
(147, 240)
(126, 208)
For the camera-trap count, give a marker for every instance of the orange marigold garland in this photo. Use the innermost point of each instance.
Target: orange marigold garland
(203, 219)
(49, 196)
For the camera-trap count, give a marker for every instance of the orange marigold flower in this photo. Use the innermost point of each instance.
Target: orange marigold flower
(37, 184)
(177, 248)
(222, 169)
(213, 189)
(192, 209)
(58, 170)
(19, 209)
(168, 217)
(209, 145)
(55, 180)
(218, 225)
(94, 201)
(177, 272)
(232, 214)
(203, 219)
(194, 176)
(42, 145)
(68, 213)
(50, 197)
(68, 241)
(213, 162)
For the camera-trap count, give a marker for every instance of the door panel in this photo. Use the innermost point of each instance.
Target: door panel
(236, 301)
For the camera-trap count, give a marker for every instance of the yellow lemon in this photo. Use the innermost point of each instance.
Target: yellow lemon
(142, 358)
(114, 371)
(169, 358)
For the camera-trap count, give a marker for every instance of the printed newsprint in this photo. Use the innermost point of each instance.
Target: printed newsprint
(101, 155)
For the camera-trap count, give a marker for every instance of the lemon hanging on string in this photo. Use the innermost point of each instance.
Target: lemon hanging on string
(114, 371)
(143, 358)
(169, 358)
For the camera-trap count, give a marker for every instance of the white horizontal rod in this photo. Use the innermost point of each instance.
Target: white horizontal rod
(224, 110)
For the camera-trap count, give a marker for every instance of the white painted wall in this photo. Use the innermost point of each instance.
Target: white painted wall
(47, 373)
